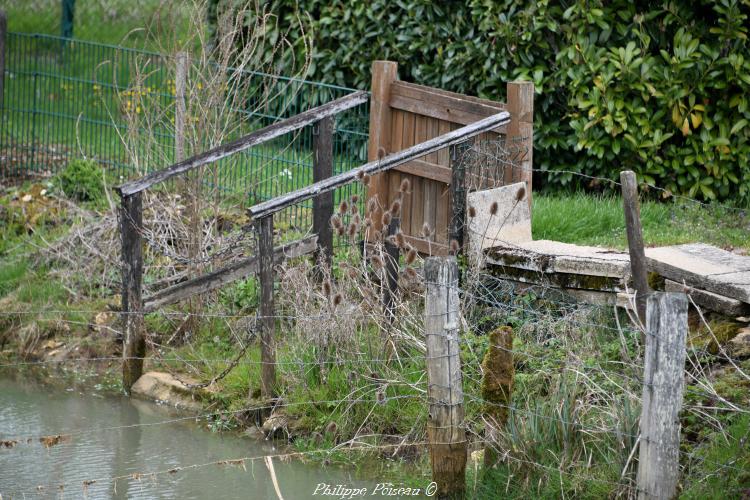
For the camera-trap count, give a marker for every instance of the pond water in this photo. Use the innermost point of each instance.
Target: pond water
(29, 409)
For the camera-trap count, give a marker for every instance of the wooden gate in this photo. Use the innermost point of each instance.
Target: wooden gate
(404, 114)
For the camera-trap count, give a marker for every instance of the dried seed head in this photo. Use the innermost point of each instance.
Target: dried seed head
(343, 207)
(356, 219)
(386, 219)
(454, 247)
(405, 186)
(426, 230)
(381, 153)
(340, 230)
(352, 230)
(326, 288)
(337, 299)
(411, 256)
(396, 207)
(521, 193)
(391, 240)
(372, 205)
(377, 235)
(493, 208)
(354, 209)
(335, 222)
(355, 198)
(360, 174)
(410, 272)
(366, 179)
(376, 262)
(368, 222)
(400, 241)
(472, 211)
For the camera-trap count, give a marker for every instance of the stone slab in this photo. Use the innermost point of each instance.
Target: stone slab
(509, 225)
(709, 300)
(557, 257)
(705, 267)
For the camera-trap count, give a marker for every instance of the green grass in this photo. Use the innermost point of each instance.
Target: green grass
(598, 220)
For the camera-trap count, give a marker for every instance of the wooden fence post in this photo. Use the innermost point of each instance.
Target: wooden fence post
(664, 364)
(264, 228)
(3, 45)
(458, 192)
(521, 132)
(134, 341)
(323, 203)
(180, 83)
(635, 241)
(497, 388)
(384, 73)
(445, 427)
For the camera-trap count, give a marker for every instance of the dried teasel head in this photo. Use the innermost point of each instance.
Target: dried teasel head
(336, 221)
(411, 256)
(355, 198)
(368, 222)
(472, 211)
(377, 235)
(376, 262)
(327, 288)
(372, 205)
(405, 186)
(337, 299)
(366, 179)
(386, 218)
(521, 193)
(494, 208)
(396, 207)
(352, 230)
(381, 153)
(360, 175)
(356, 219)
(343, 207)
(400, 240)
(454, 247)
(410, 272)
(354, 209)
(426, 230)
(340, 230)
(353, 273)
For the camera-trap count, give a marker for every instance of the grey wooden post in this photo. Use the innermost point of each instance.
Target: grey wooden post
(445, 427)
(391, 270)
(134, 340)
(323, 203)
(458, 192)
(663, 375)
(3, 45)
(180, 83)
(264, 228)
(632, 209)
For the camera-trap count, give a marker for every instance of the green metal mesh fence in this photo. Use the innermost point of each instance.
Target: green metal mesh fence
(68, 99)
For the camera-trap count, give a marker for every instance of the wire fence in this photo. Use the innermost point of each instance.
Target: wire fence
(68, 99)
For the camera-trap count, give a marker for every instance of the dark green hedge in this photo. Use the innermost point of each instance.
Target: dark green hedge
(660, 87)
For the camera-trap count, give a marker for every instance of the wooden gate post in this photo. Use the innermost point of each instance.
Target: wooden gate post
(3, 45)
(445, 427)
(384, 73)
(458, 192)
(632, 209)
(134, 340)
(521, 132)
(664, 364)
(264, 228)
(323, 203)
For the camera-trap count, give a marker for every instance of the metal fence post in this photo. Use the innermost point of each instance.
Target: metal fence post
(663, 385)
(445, 427)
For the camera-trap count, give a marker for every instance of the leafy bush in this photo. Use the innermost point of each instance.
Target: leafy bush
(657, 87)
(82, 180)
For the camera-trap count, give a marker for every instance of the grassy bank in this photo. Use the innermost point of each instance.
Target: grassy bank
(577, 381)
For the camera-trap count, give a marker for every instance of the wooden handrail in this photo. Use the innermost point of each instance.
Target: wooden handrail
(393, 160)
(253, 139)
